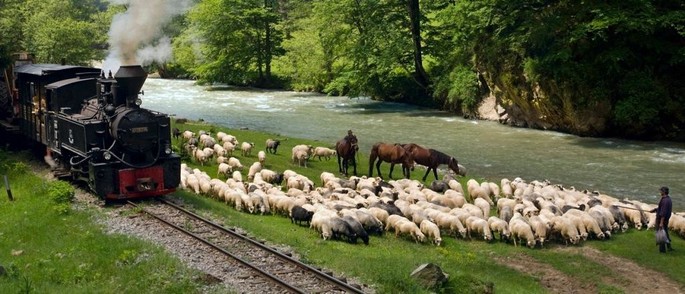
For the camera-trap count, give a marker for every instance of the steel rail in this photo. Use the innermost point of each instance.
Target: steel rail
(260, 271)
(345, 286)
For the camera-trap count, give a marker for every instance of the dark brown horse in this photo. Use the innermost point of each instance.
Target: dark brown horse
(392, 153)
(346, 149)
(432, 158)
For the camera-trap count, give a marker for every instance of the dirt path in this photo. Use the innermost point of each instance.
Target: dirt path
(625, 274)
(628, 275)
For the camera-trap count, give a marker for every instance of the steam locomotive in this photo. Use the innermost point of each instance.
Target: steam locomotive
(94, 130)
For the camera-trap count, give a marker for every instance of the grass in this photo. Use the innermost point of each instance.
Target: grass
(44, 249)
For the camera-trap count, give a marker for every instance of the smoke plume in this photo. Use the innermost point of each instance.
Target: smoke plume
(136, 36)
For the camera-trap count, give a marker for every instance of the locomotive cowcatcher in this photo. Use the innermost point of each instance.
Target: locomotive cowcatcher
(94, 130)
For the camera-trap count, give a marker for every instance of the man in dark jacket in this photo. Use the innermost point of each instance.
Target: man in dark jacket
(663, 215)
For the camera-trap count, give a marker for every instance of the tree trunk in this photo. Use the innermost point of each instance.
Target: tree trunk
(415, 20)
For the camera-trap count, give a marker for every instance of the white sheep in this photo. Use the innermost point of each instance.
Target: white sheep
(520, 230)
(478, 225)
(228, 148)
(483, 205)
(246, 148)
(431, 231)
(300, 157)
(261, 156)
(235, 164)
(223, 169)
(254, 168)
(498, 225)
(323, 152)
(411, 229)
(236, 176)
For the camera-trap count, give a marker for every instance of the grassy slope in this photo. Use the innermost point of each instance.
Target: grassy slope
(387, 261)
(44, 251)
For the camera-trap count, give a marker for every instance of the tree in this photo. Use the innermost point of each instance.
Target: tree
(239, 40)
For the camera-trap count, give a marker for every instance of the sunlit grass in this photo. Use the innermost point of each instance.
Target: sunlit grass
(45, 251)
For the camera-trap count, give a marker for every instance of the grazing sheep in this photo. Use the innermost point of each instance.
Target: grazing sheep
(271, 177)
(224, 169)
(483, 205)
(236, 176)
(228, 148)
(520, 230)
(254, 168)
(410, 228)
(357, 229)
(300, 157)
(272, 145)
(299, 214)
(500, 226)
(234, 163)
(478, 225)
(261, 156)
(199, 156)
(323, 152)
(540, 229)
(340, 228)
(566, 228)
(246, 148)
(431, 231)
(370, 223)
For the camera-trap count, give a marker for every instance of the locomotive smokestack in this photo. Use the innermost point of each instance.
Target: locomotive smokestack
(130, 79)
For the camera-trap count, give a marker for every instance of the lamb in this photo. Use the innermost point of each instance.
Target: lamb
(299, 214)
(323, 152)
(261, 156)
(500, 226)
(272, 145)
(246, 148)
(431, 230)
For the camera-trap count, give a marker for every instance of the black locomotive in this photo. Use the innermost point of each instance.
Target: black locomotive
(93, 128)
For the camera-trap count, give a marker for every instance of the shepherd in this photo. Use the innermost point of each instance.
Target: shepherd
(346, 149)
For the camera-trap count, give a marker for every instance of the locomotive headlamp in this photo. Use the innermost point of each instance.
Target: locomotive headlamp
(107, 155)
(167, 150)
(139, 101)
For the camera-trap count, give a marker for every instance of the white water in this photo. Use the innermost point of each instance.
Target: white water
(621, 168)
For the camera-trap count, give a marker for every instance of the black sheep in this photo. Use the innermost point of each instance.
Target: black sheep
(299, 214)
(340, 228)
(357, 228)
(177, 133)
(272, 145)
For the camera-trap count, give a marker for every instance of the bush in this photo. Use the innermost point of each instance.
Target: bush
(60, 192)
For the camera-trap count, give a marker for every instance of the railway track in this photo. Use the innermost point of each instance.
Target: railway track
(273, 271)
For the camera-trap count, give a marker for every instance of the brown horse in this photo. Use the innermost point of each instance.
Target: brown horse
(346, 150)
(392, 153)
(432, 158)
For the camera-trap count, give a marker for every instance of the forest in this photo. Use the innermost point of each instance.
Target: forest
(590, 68)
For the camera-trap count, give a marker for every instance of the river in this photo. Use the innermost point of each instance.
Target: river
(620, 168)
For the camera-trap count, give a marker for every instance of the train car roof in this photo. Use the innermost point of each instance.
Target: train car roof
(43, 69)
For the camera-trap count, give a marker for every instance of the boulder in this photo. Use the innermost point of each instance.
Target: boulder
(430, 276)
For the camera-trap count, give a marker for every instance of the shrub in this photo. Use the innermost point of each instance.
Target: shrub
(60, 192)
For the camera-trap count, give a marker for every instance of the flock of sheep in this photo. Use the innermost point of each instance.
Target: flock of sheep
(353, 208)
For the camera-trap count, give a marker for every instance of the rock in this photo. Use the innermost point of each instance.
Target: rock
(430, 276)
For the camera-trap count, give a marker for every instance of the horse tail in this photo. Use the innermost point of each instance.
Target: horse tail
(372, 158)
